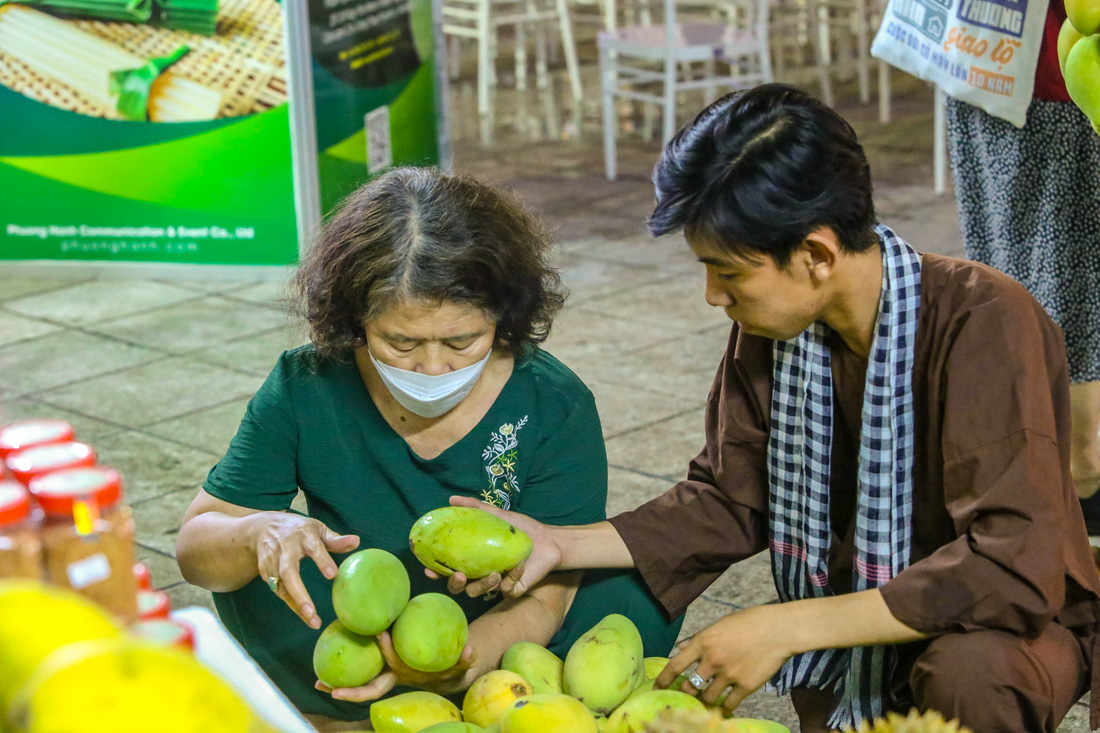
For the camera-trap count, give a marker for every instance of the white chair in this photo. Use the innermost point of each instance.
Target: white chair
(634, 59)
(844, 20)
(481, 21)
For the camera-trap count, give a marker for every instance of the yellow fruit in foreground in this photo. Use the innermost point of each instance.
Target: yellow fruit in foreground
(412, 712)
(1067, 36)
(539, 666)
(126, 685)
(36, 620)
(636, 713)
(492, 694)
(1083, 77)
(1085, 15)
(654, 666)
(548, 713)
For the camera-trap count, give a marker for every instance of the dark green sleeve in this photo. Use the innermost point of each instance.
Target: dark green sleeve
(259, 470)
(568, 479)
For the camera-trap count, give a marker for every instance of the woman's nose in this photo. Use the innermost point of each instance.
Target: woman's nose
(434, 362)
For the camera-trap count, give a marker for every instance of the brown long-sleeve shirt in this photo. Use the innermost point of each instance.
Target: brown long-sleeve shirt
(998, 537)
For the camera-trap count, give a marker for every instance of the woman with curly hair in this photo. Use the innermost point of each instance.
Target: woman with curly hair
(427, 296)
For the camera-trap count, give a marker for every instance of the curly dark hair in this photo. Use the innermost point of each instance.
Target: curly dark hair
(422, 234)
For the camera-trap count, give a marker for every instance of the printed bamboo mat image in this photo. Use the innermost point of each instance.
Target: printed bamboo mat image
(242, 68)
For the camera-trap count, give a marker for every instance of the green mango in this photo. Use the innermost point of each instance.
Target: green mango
(453, 728)
(458, 539)
(636, 713)
(539, 666)
(548, 713)
(756, 725)
(1085, 16)
(430, 633)
(412, 712)
(641, 689)
(605, 664)
(654, 666)
(1083, 77)
(370, 591)
(342, 658)
(1067, 36)
(494, 728)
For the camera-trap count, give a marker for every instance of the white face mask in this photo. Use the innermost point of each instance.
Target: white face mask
(429, 395)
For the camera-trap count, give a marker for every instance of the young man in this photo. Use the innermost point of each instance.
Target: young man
(893, 426)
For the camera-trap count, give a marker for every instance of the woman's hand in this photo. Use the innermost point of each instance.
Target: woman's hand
(741, 651)
(447, 682)
(282, 540)
(545, 557)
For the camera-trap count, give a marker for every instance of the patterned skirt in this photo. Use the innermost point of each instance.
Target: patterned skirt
(1029, 204)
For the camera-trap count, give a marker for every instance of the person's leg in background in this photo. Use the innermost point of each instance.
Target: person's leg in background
(1084, 399)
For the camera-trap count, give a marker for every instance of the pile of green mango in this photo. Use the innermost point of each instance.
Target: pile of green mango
(1079, 56)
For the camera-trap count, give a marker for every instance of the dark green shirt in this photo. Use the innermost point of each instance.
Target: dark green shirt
(312, 425)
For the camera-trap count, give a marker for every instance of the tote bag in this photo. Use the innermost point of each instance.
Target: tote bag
(983, 52)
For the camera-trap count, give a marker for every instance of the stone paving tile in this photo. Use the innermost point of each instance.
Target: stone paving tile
(628, 490)
(13, 286)
(152, 467)
(255, 354)
(15, 328)
(163, 568)
(271, 293)
(663, 449)
(155, 392)
(99, 299)
(583, 334)
(209, 430)
(184, 595)
(623, 408)
(158, 520)
(677, 304)
(66, 357)
(192, 324)
(88, 429)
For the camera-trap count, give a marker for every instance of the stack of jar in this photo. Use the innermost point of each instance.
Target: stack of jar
(63, 520)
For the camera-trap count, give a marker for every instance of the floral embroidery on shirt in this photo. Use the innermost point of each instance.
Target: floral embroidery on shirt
(500, 457)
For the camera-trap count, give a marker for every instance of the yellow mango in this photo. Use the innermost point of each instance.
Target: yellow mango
(491, 694)
(342, 658)
(548, 713)
(370, 591)
(453, 728)
(1085, 15)
(538, 665)
(412, 712)
(1083, 77)
(605, 664)
(36, 620)
(123, 685)
(430, 633)
(755, 725)
(469, 541)
(1067, 36)
(654, 666)
(639, 711)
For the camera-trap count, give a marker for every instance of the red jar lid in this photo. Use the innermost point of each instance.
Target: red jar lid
(143, 576)
(28, 464)
(15, 503)
(166, 631)
(56, 492)
(28, 433)
(152, 604)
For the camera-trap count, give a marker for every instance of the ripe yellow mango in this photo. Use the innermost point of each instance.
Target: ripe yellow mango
(1085, 16)
(370, 591)
(1083, 77)
(453, 728)
(123, 685)
(605, 664)
(538, 665)
(641, 689)
(654, 666)
(755, 725)
(412, 712)
(342, 658)
(636, 713)
(548, 713)
(491, 694)
(430, 633)
(59, 616)
(465, 540)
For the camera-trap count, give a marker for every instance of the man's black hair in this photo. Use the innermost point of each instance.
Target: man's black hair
(757, 171)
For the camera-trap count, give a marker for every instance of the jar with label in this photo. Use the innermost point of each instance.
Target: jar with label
(24, 434)
(88, 536)
(20, 547)
(153, 604)
(30, 463)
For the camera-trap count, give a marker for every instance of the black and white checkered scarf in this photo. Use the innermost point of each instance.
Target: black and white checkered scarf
(799, 453)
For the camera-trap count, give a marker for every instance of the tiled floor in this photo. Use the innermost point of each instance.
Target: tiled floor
(157, 374)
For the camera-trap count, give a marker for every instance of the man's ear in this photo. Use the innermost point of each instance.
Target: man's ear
(820, 252)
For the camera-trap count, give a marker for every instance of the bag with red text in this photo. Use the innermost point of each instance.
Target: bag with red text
(983, 52)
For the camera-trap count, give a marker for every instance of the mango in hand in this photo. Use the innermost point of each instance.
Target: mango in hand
(370, 591)
(1083, 77)
(457, 539)
(430, 633)
(1085, 15)
(342, 658)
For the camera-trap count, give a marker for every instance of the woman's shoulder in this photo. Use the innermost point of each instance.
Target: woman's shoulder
(550, 378)
(302, 367)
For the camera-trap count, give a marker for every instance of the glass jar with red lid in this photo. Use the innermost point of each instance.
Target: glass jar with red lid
(169, 632)
(24, 434)
(88, 536)
(20, 546)
(30, 463)
(153, 604)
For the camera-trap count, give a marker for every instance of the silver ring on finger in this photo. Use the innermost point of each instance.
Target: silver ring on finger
(698, 682)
